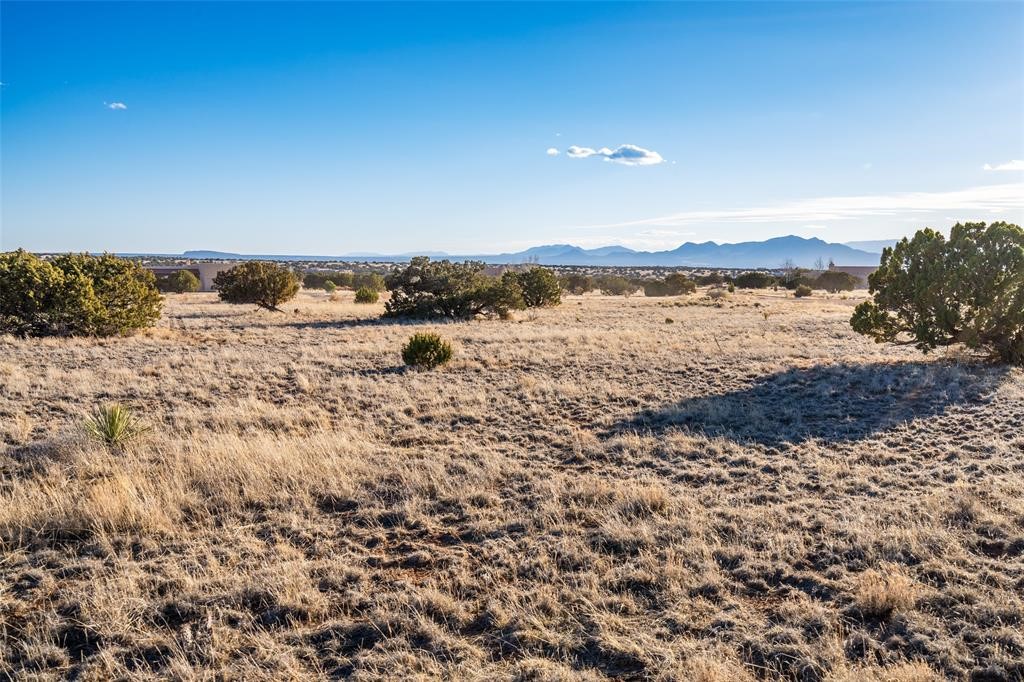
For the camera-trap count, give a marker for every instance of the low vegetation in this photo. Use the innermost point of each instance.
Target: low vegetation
(441, 289)
(586, 493)
(366, 295)
(114, 425)
(933, 292)
(75, 295)
(180, 282)
(259, 283)
(539, 286)
(426, 350)
(675, 284)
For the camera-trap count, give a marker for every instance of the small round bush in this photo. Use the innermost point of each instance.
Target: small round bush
(426, 350)
(366, 295)
(330, 286)
(803, 290)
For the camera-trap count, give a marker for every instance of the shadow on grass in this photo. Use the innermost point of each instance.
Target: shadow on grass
(831, 403)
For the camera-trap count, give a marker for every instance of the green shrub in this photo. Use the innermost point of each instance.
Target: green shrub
(322, 280)
(731, 287)
(180, 282)
(540, 287)
(75, 295)
(260, 283)
(803, 290)
(834, 281)
(366, 295)
(368, 280)
(426, 350)
(613, 285)
(710, 279)
(578, 284)
(755, 280)
(114, 425)
(426, 289)
(931, 292)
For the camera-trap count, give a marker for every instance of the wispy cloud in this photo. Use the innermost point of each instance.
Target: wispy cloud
(1015, 165)
(552, 151)
(117, 106)
(824, 209)
(626, 154)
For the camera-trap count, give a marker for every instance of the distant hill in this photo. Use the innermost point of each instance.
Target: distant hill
(874, 246)
(770, 253)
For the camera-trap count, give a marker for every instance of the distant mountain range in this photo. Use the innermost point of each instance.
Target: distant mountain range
(770, 253)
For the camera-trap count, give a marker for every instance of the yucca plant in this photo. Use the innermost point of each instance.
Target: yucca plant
(114, 425)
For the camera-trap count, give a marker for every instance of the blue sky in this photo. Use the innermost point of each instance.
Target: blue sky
(334, 128)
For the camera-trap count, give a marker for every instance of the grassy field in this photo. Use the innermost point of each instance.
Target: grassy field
(629, 488)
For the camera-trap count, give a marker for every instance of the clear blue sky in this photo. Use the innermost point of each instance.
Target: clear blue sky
(334, 128)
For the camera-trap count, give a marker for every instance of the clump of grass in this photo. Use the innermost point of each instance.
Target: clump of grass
(880, 593)
(114, 425)
(426, 350)
(802, 291)
(669, 320)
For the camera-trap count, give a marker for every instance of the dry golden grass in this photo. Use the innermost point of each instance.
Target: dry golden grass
(752, 492)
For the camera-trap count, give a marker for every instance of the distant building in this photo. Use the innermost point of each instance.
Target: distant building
(204, 271)
(861, 272)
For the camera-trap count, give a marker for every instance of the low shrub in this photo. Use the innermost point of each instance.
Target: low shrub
(330, 287)
(260, 283)
(755, 280)
(834, 281)
(367, 295)
(114, 425)
(802, 290)
(426, 289)
(75, 295)
(540, 287)
(578, 284)
(426, 350)
(180, 282)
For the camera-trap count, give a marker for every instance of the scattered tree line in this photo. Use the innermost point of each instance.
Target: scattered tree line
(928, 291)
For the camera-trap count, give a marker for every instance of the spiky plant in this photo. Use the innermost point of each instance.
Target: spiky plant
(114, 425)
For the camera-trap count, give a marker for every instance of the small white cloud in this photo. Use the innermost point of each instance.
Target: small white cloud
(116, 106)
(626, 154)
(1015, 165)
(552, 151)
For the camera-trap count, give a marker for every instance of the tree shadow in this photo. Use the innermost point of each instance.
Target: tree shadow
(832, 403)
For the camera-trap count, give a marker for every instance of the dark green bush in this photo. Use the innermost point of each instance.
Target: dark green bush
(180, 282)
(834, 281)
(426, 350)
(755, 280)
(931, 292)
(540, 287)
(320, 279)
(75, 295)
(260, 283)
(613, 285)
(426, 289)
(803, 290)
(368, 280)
(366, 295)
(709, 279)
(675, 284)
